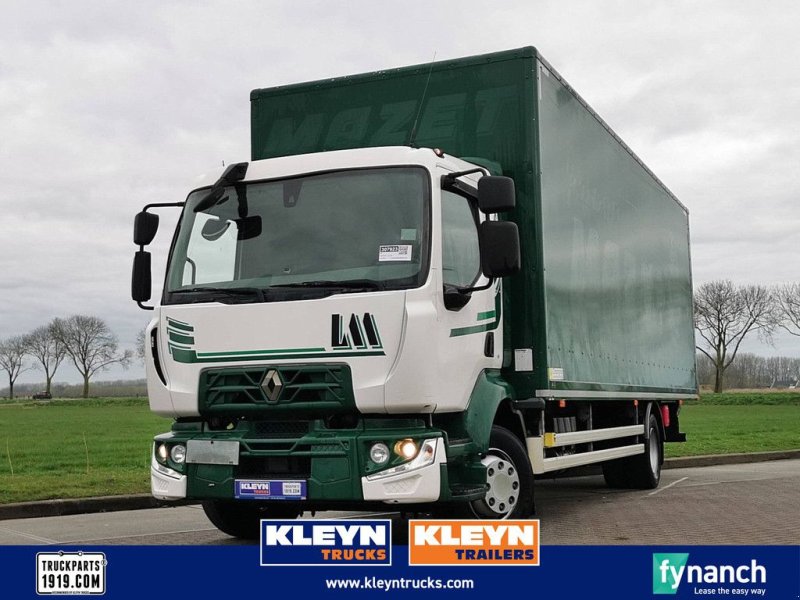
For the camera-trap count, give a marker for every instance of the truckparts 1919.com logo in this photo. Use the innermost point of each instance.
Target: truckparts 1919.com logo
(307, 543)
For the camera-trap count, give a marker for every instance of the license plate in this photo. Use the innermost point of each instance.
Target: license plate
(269, 489)
(212, 452)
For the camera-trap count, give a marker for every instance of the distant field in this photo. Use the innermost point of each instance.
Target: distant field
(98, 447)
(76, 448)
(749, 397)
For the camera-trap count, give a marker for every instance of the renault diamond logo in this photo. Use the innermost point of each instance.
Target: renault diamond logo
(272, 385)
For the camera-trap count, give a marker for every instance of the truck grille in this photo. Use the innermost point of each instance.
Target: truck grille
(319, 389)
(280, 429)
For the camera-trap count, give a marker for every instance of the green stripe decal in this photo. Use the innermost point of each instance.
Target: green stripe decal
(179, 325)
(260, 352)
(182, 355)
(180, 339)
(181, 347)
(496, 313)
(474, 329)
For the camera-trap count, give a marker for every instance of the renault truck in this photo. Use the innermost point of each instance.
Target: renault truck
(428, 287)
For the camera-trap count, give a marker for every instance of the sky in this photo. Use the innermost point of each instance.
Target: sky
(107, 106)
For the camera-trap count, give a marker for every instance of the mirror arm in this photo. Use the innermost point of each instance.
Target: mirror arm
(479, 288)
(449, 180)
(145, 307)
(162, 204)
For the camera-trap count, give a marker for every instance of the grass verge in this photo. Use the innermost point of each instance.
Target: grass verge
(727, 429)
(99, 447)
(76, 448)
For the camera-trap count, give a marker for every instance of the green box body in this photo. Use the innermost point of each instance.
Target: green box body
(604, 299)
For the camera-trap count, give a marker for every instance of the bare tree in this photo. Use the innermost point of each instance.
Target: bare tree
(724, 314)
(789, 302)
(90, 344)
(12, 359)
(47, 349)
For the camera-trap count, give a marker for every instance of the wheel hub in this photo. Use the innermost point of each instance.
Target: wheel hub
(503, 481)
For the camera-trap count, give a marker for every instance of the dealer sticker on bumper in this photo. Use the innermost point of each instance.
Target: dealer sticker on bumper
(269, 489)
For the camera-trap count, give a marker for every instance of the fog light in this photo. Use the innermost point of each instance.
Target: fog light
(161, 452)
(178, 453)
(379, 453)
(406, 449)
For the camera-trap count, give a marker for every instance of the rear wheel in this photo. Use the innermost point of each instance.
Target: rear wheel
(242, 519)
(645, 469)
(509, 477)
(642, 471)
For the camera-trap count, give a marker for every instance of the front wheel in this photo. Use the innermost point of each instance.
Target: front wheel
(509, 477)
(242, 519)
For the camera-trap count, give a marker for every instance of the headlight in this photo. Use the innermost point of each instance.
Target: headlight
(406, 449)
(379, 453)
(178, 453)
(161, 452)
(425, 457)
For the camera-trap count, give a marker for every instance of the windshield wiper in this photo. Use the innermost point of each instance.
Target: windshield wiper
(258, 293)
(367, 284)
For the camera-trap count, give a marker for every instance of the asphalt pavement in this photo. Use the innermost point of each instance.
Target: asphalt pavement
(754, 503)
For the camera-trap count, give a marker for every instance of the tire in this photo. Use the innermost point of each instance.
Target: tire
(615, 473)
(242, 519)
(640, 472)
(645, 469)
(510, 479)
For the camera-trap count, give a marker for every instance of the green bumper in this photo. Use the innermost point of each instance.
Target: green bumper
(332, 462)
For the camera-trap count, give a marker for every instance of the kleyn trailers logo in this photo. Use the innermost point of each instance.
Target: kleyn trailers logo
(314, 543)
(671, 570)
(466, 542)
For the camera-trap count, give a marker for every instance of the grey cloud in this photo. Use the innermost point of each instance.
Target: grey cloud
(105, 107)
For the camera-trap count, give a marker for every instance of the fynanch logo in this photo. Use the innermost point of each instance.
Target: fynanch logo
(361, 333)
(671, 570)
(667, 570)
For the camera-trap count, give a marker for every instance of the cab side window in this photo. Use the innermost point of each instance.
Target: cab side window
(461, 260)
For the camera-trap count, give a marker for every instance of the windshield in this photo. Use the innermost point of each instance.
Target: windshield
(354, 230)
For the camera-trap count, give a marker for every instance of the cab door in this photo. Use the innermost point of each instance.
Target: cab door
(470, 333)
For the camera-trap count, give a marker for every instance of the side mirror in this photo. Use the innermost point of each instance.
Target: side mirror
(145, 226)
(141, 281)
(496, 194)
(500, 250)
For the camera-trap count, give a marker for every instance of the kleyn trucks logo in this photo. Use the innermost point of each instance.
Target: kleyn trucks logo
(305, 543)
(466, 542)
(672, 570)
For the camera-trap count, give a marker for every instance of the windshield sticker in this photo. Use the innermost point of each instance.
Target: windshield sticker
(408, 235)
(394, 253)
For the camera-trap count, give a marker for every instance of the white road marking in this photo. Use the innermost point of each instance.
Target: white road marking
(666, 487)
(749, 479)
(30, 536)
(133, 535)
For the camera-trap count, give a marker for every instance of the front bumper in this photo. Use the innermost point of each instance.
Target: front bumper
(415, 485)
(333, 463)
(165, 483)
